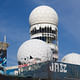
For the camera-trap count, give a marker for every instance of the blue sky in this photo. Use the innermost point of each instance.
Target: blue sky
(14, 16)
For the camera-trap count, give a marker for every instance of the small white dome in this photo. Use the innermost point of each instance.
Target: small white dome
(34, 48)
(72, 58)
(43, 14)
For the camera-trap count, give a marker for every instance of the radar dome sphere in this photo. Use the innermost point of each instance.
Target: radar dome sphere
(43, 14)
(72, 58)
(34, 49)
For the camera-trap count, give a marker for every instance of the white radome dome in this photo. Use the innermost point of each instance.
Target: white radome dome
(43, 14)
(72, 58)
(34, 48)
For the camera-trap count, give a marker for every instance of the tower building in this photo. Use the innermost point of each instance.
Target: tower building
(3, 52)
(43, 25)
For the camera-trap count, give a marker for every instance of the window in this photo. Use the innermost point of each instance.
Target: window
(24, 58)
(40, 29)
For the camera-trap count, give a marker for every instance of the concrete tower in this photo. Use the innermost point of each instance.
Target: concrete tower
(3, 52)
(43, 25)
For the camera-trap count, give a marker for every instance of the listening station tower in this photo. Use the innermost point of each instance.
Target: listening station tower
(43, 25)
(3, 53)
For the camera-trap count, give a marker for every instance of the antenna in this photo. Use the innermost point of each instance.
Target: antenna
(4, 38)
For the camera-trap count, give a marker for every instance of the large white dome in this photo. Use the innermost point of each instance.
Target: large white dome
(34, 48)
(72, 58)
(43, 14)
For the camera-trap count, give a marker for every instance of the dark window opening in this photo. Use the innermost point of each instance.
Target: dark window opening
(19, 62)
(45, 29)
(40, 29)
(24, 58)
(31, 57)
(54, 32)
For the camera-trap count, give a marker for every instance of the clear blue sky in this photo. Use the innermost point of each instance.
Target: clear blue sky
(14, 15)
